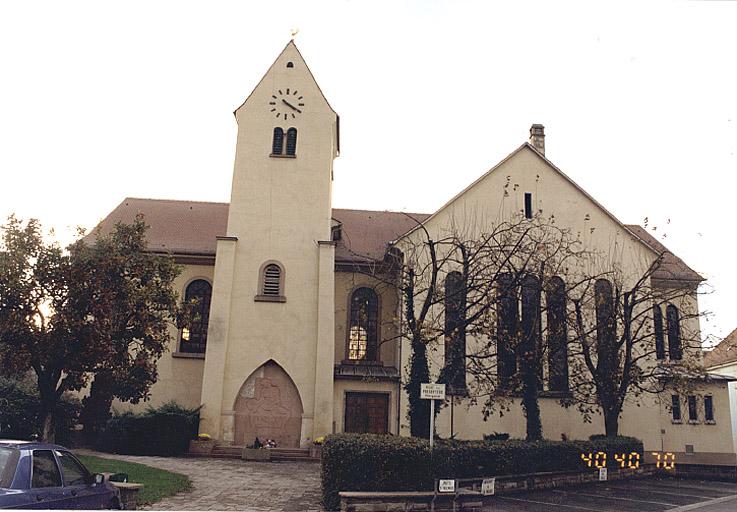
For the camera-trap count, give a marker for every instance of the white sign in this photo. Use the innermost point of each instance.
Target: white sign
(487, 486)
(432, 391)
(602, 474)
(447, 486)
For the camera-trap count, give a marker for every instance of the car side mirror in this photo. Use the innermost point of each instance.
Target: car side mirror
(98, 479)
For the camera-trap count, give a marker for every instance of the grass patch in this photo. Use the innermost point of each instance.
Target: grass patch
(158, 484)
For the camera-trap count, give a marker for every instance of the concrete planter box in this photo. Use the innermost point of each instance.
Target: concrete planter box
(256, 454)
(198, 447)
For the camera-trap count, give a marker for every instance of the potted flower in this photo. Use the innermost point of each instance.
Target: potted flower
(201, 446)
(316, 448)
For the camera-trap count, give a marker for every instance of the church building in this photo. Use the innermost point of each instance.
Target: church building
(294, 339)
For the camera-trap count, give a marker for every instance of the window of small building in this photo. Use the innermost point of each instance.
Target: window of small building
(193, 338)
(291, 142)
(709, 408)
(659, 335)
(528, 205)
(363, 329)
(455, 332)
(693, 413)
(675, 350)
(675, 408)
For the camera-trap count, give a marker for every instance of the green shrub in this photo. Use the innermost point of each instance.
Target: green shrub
(19, 412)
(367, 462)
(166, 431)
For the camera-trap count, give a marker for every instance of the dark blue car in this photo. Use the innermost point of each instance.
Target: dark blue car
(47, 476)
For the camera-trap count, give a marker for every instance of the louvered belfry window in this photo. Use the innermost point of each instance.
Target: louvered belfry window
(277, 146)
(272, 280)
(291, 141)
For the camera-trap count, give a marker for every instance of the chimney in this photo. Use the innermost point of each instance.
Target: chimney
(537, 137)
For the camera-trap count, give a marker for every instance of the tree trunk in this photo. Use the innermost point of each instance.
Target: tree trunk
(419, 409)
(47, 423)
(96, 407)
(530, 403)
(611, 423)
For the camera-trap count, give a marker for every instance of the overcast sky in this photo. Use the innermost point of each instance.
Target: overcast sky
(103, 100)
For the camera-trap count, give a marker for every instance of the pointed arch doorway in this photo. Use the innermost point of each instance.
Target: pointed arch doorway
(268, 406)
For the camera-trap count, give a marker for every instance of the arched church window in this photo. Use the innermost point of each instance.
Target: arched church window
(658, 327)
(193, 338)
(363, 329)
(674, 332)
(277, 145)
(555, 298)
(507, 325)
(455, 331)
(606, 326)
(291, 141)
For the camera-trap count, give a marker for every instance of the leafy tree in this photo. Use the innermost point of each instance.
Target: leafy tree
(96, 308)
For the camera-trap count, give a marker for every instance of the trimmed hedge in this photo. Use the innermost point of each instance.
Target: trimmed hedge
(369, 462)
(163, 431)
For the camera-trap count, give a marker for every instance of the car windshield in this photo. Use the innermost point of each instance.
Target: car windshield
(7, 466)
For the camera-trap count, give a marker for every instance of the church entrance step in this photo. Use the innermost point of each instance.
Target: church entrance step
(277, 454)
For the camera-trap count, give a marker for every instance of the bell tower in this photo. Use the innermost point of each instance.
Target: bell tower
(273, 289)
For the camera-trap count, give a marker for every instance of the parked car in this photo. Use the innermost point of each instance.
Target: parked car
(48, 476)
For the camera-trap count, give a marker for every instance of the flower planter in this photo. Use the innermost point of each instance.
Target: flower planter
(200, 447)
(316, 451)
(256, 454)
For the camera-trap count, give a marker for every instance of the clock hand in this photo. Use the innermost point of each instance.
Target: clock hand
(291, 106)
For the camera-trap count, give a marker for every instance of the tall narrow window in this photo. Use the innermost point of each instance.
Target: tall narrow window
(605, 319)
(507, 325)
(674, 332)
(277, 145)
(363, 330)
(693, 413)
(659, 337)
(675, 407)
(555, 297)
(531, 320)
(194, 334)
(528, 205)
(709, 408)
(455, 331)
(291, 141)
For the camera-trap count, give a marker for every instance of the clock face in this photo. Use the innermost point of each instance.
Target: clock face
(286, 103)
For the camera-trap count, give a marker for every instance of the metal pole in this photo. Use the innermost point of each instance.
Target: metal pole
(432, 422)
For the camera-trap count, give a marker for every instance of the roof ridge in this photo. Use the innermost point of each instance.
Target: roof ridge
(379, 211)
(174, 200)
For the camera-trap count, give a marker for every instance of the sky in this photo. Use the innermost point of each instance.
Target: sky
(104, 100)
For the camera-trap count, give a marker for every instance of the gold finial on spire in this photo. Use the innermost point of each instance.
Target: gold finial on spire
(294, 31)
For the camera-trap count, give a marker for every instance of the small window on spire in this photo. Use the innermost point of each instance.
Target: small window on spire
(277, 145)
(528, 205)
(290, 64)
(291, 141)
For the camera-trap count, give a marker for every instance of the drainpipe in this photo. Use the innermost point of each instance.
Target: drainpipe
(399, 359)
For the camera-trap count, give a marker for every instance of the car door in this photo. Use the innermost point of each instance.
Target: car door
(46, 490)
(79, 492)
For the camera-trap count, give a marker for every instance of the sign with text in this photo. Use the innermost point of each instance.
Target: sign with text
(432, 391)
(602, 474)
(446, 486)
(487, 486)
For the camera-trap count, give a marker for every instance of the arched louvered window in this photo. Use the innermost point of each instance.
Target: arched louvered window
(555, 298)
(455, 331)
(193, 338)
(606, 326)
(507, 322)
(272, 280)
(658, 328)
(363, 329)
(292, 141)
(277, 146)
(675, 350)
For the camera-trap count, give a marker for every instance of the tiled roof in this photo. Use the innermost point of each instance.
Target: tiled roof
(673, 267)
(725, 352)
(190, 227)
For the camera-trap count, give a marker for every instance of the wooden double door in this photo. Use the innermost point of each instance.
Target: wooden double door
(367, 413)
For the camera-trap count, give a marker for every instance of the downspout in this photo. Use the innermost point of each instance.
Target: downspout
(399, 359)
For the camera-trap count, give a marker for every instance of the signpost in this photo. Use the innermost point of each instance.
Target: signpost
(446, 486)
(432, 392)
(487, 486)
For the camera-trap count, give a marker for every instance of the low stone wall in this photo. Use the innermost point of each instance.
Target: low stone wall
(469, 496)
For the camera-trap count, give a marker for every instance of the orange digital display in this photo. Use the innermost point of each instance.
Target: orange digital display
(665, 460)
(599, 459)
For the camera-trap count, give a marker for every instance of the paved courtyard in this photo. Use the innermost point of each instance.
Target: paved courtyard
(226, 484)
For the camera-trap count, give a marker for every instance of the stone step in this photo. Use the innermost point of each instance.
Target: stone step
(277, 454)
